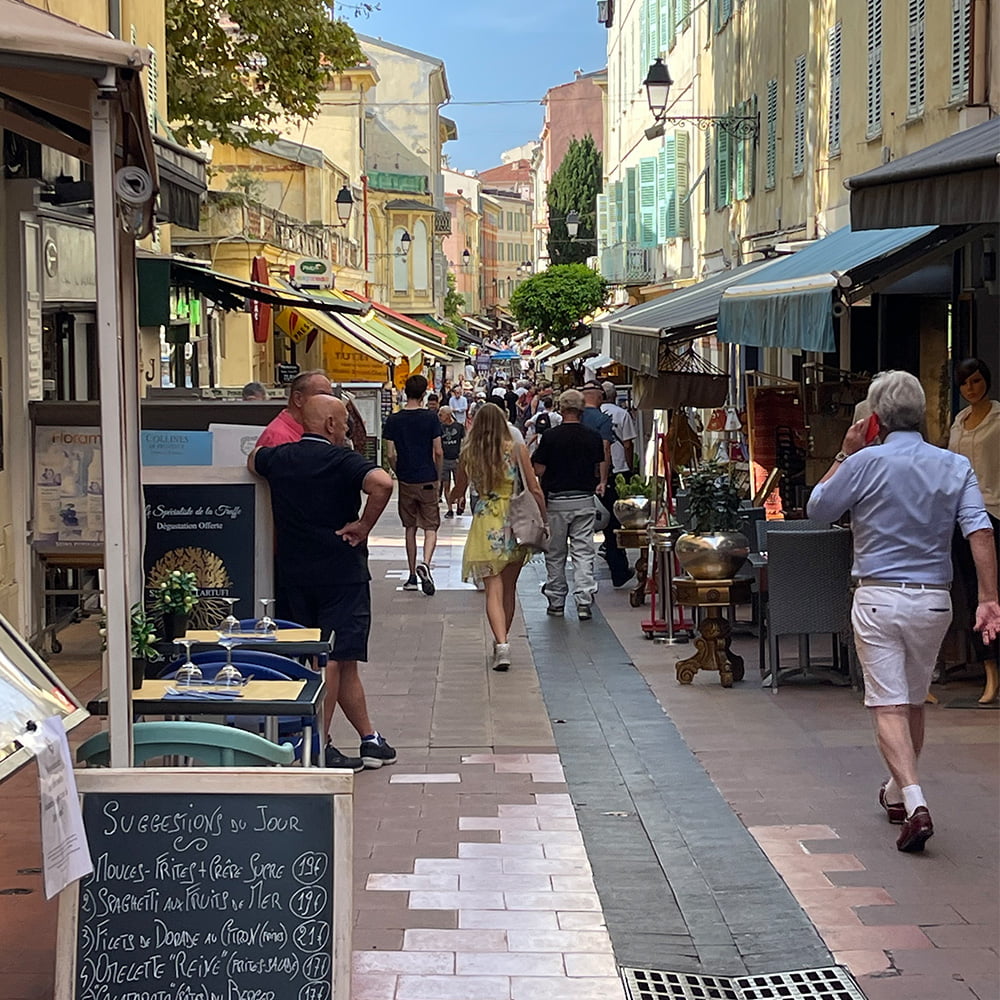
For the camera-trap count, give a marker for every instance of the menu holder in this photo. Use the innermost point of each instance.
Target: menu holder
(210, 882)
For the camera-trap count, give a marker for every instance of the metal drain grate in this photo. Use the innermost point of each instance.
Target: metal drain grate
(832, 983)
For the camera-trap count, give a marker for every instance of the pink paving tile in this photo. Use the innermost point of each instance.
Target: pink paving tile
(887, 938)
(554, 799)
(551, 866)
(508, 883)
(424, 779)
(493, 758)
(863, 963)
(373, 986)
(562, 851)
(420, 939)
(458, 866)
(459, 900)
(849, 895)
(437, 881)
(552, 900)
(590, 965)
(424, 963)
(565, 941)
(509, 919)
(558, 823)
(470, 850)
(452, 988)
(566, 989)
(578, 920)
(805, 880)
(509, 964)
(536, 810)
(802, 832)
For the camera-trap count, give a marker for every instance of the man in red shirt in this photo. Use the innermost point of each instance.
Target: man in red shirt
(286, 427)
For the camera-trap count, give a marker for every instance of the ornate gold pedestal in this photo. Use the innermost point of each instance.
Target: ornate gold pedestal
(636, 538)
(713, 646)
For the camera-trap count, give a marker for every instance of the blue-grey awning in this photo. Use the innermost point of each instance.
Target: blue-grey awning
(792, 307)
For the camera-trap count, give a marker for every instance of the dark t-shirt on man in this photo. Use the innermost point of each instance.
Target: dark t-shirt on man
(413, 433)
(315, 491)
(570, 454)
(451, 440)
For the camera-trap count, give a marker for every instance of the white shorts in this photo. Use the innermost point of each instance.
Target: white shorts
(898, 634)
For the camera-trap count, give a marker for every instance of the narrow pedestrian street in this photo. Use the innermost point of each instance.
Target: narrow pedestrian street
(584, 812)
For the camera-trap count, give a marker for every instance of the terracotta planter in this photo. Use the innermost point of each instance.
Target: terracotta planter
(716, 556)
(174, 625)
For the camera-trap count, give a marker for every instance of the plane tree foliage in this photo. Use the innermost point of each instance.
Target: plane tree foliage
(555, 302)
(236, 68)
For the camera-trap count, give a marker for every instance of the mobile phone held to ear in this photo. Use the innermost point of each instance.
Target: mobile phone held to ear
(872, 429)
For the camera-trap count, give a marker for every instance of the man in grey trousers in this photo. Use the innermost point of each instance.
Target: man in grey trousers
(569, 462)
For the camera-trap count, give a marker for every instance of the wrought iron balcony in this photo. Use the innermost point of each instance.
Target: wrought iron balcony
(627, 264)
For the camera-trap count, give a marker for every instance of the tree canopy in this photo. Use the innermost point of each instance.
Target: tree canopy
(575, 184)
(237, 67)
(553, 302)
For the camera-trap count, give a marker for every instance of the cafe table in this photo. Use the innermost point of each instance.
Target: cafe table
(267, 698)
(285, 642)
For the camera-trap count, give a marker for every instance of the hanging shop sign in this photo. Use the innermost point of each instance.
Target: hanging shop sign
(313, 272)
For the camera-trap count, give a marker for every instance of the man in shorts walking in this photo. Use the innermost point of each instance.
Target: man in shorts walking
(322, 557)
(905, 497)
(413, 436)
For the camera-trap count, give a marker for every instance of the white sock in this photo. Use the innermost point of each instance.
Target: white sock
(913, 798)
(892, 792)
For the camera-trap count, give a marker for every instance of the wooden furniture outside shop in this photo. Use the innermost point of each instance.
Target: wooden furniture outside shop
(715, 630)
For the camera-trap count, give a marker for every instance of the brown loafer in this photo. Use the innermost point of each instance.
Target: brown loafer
(917, 830)
(896, 811)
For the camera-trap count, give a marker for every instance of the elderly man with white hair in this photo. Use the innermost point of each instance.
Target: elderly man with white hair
(905, 497)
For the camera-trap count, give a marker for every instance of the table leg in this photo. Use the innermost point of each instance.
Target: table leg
(307, 746)
(637, 595)
(271, 728)
(713, 653)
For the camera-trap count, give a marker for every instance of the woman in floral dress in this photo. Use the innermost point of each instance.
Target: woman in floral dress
(491, 460)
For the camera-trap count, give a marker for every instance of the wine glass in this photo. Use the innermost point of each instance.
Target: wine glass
(188, 672)
(266, 625)
(230, 624)
(228, 675)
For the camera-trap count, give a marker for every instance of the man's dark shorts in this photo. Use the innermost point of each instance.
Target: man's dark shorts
(346, 610)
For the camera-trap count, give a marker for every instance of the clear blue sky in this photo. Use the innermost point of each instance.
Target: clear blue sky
(493, 50)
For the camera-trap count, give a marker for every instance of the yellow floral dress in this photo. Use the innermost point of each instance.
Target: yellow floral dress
(490, 545)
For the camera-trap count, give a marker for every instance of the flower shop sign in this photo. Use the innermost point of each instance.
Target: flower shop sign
(215, 523)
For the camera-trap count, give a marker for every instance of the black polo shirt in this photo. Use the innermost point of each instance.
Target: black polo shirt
(571, 454)
(315, 490)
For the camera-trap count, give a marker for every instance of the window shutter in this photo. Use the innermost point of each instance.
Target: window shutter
(727, 10)
(668, 28)
(874, 126)
(834, 56)
(619, 197)
(668, 190)
(647, 201)
(915, 72)
(799, 140)
(771, 149)
(644, 58)
(751, 145)
(152, 84)
(631, 205)
(681, 189)
(723, 172)
(653, 43)
(683, 14)
(709, 172)
(739, 159)
(602, 220)
(960, 41)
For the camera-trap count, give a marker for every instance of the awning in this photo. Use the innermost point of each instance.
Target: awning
(583, 346)
(299, 324)
(398, 317)
(954, 181)
(232, 293)
(477, 324)
(792, 307)
(183, 181)
(545, 352)
(688, 313)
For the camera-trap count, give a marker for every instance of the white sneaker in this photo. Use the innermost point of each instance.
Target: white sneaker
(501, 656)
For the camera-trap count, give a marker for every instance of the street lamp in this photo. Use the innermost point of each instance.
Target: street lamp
(466, 257)
(525, 267)
(404, 244)
(572, 223)
(345, 204)
(658, 84)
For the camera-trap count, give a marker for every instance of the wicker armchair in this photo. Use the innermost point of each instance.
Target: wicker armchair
(809, 593)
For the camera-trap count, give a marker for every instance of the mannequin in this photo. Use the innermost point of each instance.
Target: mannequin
(976, 435)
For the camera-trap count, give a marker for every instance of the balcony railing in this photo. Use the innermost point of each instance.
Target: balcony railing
(627, 264)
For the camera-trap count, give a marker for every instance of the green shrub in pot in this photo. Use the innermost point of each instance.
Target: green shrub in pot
(714, 548)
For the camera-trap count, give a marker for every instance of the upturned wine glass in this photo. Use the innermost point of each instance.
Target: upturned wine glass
(188, 672)
(228, 675)
(230, 624)
(266, 625)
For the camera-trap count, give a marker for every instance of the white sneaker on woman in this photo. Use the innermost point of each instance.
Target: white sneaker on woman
(501, 656)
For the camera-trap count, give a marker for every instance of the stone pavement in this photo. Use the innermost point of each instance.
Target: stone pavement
(584, 811)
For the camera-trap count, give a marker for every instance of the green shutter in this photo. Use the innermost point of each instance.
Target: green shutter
(631, 205)
(682, 190)
(739, 160)
(723, 172)
(619, 198)
(683, 14)
(644, 57)
(664, 191)
(602, 221)
(654, 44)
(668, 215)
(668, 24)
(752, 151)
(647, 201)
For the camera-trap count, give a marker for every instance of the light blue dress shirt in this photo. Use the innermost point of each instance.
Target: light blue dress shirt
(905, 497)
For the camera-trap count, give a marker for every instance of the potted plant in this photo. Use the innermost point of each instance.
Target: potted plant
(176, 596)
(635, 495)
(714, 548)
(142, 639)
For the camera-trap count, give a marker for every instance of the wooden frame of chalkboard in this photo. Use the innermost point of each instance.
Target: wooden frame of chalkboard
(231, 880)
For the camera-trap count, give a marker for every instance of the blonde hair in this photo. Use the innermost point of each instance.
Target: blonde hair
(486, 446)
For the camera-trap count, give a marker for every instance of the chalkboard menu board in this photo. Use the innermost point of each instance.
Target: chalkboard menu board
(209, 522)
(212, 895)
